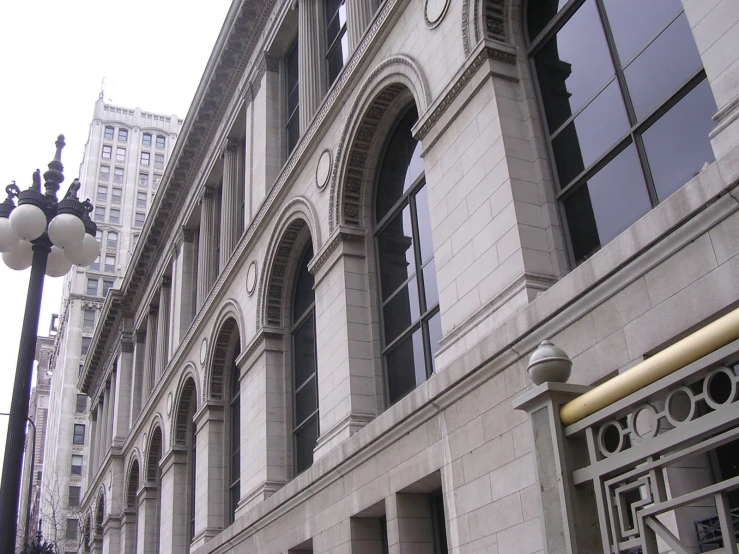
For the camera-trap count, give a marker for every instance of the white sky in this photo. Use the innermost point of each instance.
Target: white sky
(53, 57)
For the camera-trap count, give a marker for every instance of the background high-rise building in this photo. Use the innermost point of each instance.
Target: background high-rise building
(125, 156)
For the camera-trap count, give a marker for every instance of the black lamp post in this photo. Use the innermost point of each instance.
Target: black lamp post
(48, 236)
(38, 546)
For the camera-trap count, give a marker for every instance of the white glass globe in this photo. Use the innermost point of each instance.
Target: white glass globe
(85, 253)
(20, 257)
(57, 264)
(8, 238)
(66, 230)
(28, 222)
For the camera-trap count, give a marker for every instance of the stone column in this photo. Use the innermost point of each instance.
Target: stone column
(124, 384)
(175, 499)
(162, 353)
(111, 393)
(150, 359)
(206, 245)
(128, 531)
(183, 285)
(359, 14)
(92, 462)
(210, 487)
(102, 428)
(139, 362)
(148, 520)
(232, 195)
(310, 62)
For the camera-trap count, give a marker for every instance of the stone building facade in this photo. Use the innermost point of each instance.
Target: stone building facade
(375, 212)
(123, 162)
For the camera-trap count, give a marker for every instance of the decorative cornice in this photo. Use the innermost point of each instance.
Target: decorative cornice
(256, 342)
(332, 246)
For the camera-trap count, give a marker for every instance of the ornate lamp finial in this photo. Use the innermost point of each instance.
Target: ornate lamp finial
(549, 363)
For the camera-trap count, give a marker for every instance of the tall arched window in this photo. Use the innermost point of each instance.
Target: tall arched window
(305, 382)
(408, 292)
(234, 440)
(627, 109)
(132, 505)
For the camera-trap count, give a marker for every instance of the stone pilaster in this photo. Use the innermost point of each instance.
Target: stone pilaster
(183, 286)
(206, 245)
(124, 385)
(162, 354)
(175, 500)
(139, 362)
(231, 199)
(148, 520)
(111, 394)
(92, 462)
(358, 17)
(102, 428)
(150, 356)
(112, 535)
(210, 487)
(128, 531)
(310, 62)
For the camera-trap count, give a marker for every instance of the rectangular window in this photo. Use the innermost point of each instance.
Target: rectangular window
(104, 172)
(116, 196)
(89, 318)
(112, 239)
(107, 152)
(146, 139)
(157, 181)
(76, 464)
(122, 135)
(139, 219)
(141, 198)
(74, 497)
(160, 141)
(85, 346)
(158, 161)
(99, 214)
(81, 406)
(118, 175)
(120, 154)
(292, 126)
(92, 287)
(115, 215)
(102, 194)
(107, 285)
(143, 179)
(72, 531)
(145, 158)
(336, 38)
(79, 434)
(109, 132)
(94, 266)
(109, 264)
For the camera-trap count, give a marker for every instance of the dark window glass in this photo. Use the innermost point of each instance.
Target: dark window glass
(123, 135)
(99, 213)
(76, 464)
(139, 219)
(305, 389)
(160, 141)
(337, 45)
(72, 530)
(109, 132)
(115, 197)
(408, 289)
(74, 497)
(104, 172)
(146, 139)
(81, 406)
(141, 198)
(439, 522)
(292, 126)
(601, 98)
(85, 345)
(234, 440)
(158, 161)
(79, 434)
(143, 179)
(102, 194)
(107, 285)
(118, 175)
(92, 287)
(112, 239)
(115, 215)
(89, 318)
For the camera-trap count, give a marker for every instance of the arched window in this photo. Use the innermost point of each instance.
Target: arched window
(305, 381)
(234, 440)
(627, 109)
(408, 292)
(153, 504)
(129, 534)
(109, 132)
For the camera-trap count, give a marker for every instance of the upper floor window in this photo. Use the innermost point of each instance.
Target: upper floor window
(234, 463)
(92, 287)
(145, 158)
(146, 139)
(115, 215)
(292, 125)
(107, 285)
(337, 44)
(109, 132)
(102, 193)
(107, 152)
(72, 530)
(143, 179)
(76, 464)
(99, 213)
(408, 292)
(85, 345)
(89, 318)
(158, 161)
(74, 496)
(141, 197)
(81, 405)
(139, 219)
(118, 175)
(305, 381)
(112, 239)
(122, 135)
(160, 141)
(79, 434)
(120, 154)
(627, 110)
(156, 181)
(104, 172)
(116, 196)
(110, 264)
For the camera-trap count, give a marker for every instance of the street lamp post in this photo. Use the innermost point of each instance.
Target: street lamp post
(48, 236)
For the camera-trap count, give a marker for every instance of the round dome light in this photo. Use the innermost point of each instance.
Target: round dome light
(20, 257)
(85, 252)
(66, 230)
(57, 264)
(8, 238)
(28, 221)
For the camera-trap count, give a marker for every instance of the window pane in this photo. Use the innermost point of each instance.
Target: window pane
(122, 135)
(107, 285)
(304, 351)
(107, 152)
(109, 133)
(143, 179)
(573, 66)
(104, 172)
(102, 194)
(664, 66)
(634, 23)
(431, 291)
(597, 128)
(405, 367)
(118, 175)
(612, 199)
(160, 141)
(397, 261)
(112, 239)
(677, 145)
(306, 401)
(92, 287)
(540, 13)
(120, 154)
(305, 442)
(146, 139)
(435, 332)
(401, 311)
(303, 295)
(424, 225)
(397, 164)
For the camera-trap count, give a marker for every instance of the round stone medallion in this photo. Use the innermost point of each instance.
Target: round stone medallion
(203, 351)
(251, 278)
(434, 11)
(323, 169)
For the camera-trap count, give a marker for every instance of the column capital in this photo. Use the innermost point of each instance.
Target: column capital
(140, 337)
(208, 192)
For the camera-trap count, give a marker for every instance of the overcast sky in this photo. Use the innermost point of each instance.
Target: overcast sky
(53, 58)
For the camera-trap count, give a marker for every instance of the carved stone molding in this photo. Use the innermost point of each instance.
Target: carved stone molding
(127, 346)
(434, 12)
(215, 373)
(329, 249)
(166, 281)
(493, 18)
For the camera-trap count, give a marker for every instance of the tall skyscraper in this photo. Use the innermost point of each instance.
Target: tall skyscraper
(125, 156)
